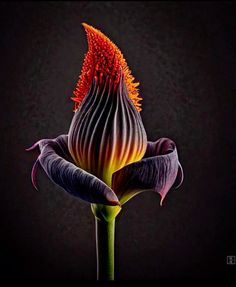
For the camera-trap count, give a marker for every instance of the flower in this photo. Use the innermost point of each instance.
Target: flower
(105, 158)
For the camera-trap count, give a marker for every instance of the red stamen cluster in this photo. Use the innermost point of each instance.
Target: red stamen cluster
(103, 59)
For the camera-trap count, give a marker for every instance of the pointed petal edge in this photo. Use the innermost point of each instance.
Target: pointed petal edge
(158, 171)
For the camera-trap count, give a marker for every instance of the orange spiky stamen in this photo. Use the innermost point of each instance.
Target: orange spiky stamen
(103, 59)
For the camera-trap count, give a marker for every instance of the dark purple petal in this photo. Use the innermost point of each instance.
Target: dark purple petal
(157, 171)
(58, 165)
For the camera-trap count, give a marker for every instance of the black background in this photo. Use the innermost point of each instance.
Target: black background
(184, 56)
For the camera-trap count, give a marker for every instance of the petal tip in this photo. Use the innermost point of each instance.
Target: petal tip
(32, 147)
(113, 199)
(161, 201)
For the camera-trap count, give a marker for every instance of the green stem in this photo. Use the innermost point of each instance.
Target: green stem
(105, 234)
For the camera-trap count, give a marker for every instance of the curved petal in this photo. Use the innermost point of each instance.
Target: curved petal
(159, 170)
(161, 147)
(57, 163)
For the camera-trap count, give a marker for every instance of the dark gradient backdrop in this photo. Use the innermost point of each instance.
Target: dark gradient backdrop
(184, 55)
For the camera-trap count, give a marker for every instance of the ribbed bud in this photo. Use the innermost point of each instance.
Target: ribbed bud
(106, 132)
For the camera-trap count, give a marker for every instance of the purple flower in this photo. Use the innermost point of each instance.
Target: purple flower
(106, 159)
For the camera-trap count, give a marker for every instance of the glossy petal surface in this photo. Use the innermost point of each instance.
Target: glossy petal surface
(159, 170)
(57, 163)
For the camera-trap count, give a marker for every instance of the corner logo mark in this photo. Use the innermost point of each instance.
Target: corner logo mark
(231, 260)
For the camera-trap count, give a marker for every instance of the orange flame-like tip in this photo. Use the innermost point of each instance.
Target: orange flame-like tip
(103, 59)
